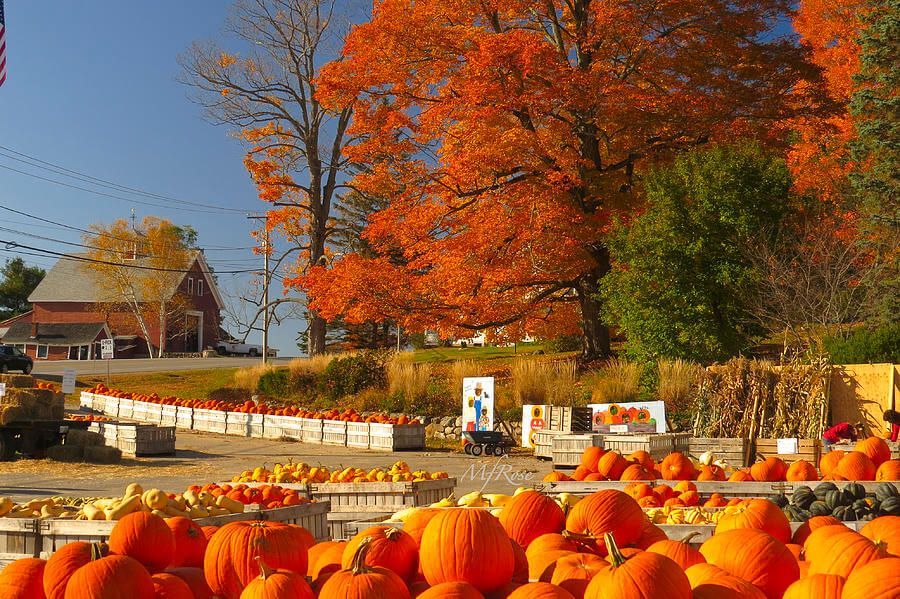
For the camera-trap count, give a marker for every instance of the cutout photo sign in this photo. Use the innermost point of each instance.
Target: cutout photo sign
(534, 418)
(478, 403)
(633, 417)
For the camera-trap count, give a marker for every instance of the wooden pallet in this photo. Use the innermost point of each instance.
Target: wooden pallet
(567, 449)
(732, 451)
(807, 449)
(382, 497)
(543, 443)
(657, 445)
(358, 435)
(396, 437)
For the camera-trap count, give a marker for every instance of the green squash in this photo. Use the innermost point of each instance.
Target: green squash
(885, 491)
(780, 500)
(834, 499)
(844, 513)
(803, 497)
(890, 506)
(818, 508)
(823, 489)
(854, 491)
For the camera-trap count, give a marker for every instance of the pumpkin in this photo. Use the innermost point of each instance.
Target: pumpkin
(876, 580)
(760, 514)
(580, 473)
(801, 470)
(277, 584)
(230, 561)
(611, 465)
(23, 579)
(829, 461)
(677, 466)
(817, 586)
(63, 564)
(740, 476)
(754, 556)
(664, 492)
(711, 473)
(643, 458)
(452, 590)
(608, 511)
(209, 531)
(550, 542)
(888, 471)
(644, 574)
(770, 469)
(542, 566)
(638, 490)
(830, 550)
(111, 577)
(875, 448)
(804, 530)
(529, 515)
(190, 542)
(855, 466)
(652, 534)
(574, 572)
(555, 477)
(679, 552)
(728, 587)
(364, 582)
(414, 524)
(390, 548)
(196, 581)
(540, 590)
(145, 537)
(169, 586)
(478, 550)
(884, 530)
(520, 561)
(636, 472)
(590, 457)
(704, 572)
(325, 556)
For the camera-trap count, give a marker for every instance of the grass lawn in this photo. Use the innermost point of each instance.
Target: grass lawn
(184, 383)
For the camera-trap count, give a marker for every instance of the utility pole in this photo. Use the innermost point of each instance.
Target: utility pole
(266, 276)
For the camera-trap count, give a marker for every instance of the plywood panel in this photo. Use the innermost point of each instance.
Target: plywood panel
(861, 393)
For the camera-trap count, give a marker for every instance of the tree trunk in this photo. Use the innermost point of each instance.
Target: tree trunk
(316, 341)
(162, 328)
(596, 338)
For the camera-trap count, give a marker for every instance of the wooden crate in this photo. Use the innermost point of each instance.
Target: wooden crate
(19, 538)
(86, 400)
(311, 516)
(543, 443)
(168, 415)
(334, 432)
(382, 497)
(704, 488)
(567, 449)
(210, 421)
(567, 419)
(345, 525)
(657, 445)
(145, 439)
(396, 437)
(126, 408)
(681, 442)
(732, 451)
(807, 449)
(358, 434)
(111, 406)
(140, 411)
(256, 425)
(98, 403)
(236, 423)
(311, 430)
(184, 417)
(272, 427)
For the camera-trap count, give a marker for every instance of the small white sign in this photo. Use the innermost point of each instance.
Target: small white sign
(2, 389)
(68, 382)
(786, 446)
(106, 349)
(618, 428)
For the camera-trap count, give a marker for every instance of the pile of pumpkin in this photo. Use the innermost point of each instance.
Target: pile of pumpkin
(252, 407)
(604, 548)
(870, 460)
(848, 504)
(304, 474)
(88, 418)
(682, 494)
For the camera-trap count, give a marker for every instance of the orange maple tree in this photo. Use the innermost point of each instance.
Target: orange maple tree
(509, 137)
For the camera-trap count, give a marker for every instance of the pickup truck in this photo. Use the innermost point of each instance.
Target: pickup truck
(232, 347)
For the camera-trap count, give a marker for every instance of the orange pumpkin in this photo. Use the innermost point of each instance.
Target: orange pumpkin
(817, 586)
(644, 574)
(638, 490)
(65, 562)
(230, 561)
(195, 580)
(801, 470)
(540, 590)
(608, 511)
(643, 458)
(679, 552)
(364, 582)
(520, 561)
(479, 554)
(652, 534)
(704, 572)
(111, 577)
(711, 472)
(804, 530)
(889, 471)
(754, 556)
(390, 548)
(415, 523)
(830, 550)
(542, 566)
(574, 572)
(875, 580)
(677, 466)
(169, 586)
(875, 448)
(760, 514)
(190, 542)
(277, 584)
(740, 476)
(884, 530)
(529, 515)
(23, 579)
(829, 461)
(636, 472)
(330, 551)
(856, 466)
(611, 465)
(727, 587)
(451, 590)
(770, 469)
(144, 537)
(590, 457)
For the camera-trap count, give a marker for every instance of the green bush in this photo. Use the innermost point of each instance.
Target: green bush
(563, 343)
(866, 346)
(275, 383)
(352, 374)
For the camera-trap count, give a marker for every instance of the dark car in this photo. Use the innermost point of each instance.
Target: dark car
(12, 358)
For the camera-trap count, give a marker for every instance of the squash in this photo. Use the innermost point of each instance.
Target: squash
(190, 543)
(531, 514)
(755, 557)
(23, 579)
(144, 537)
(389, 548)
(155, 499)
(364, 582)
(875, 579)
(539, 590)
(803, 497)
(817, 586)
(822, 489)
(886, 491)
(277, 584)
(819, 508)
(608, 511)
(169, 586)
(103, 576)
(644, 574)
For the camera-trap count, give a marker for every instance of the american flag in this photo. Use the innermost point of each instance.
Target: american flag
(2, 45)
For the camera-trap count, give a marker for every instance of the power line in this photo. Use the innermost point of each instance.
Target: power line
(67, 172)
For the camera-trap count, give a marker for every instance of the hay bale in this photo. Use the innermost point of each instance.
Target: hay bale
(10, 414)
(102, 455)
(66, 453)
(57, 412)
(82, 438)
(17, 380)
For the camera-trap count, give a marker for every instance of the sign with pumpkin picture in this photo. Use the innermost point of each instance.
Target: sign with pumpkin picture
(631, 417)
(478, 404)
(534, 419)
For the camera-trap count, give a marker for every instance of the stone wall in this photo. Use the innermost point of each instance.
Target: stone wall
(450, 427)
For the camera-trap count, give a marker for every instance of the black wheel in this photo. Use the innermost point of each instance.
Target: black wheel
(27, 369)
(488, 449)
(476, 450)
(253, 353)
(468, 448)
(7, 451)
(499, 451)
(221, 351)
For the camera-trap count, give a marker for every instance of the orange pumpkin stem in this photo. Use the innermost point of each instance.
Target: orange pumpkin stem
(96, 551)
(615, 556)
(264, 570)
(358, 565)
(687, 538)
(390, 533)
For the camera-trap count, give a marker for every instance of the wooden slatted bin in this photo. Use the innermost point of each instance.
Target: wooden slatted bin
(19, 538)
(343, 526)
(657, 445)
(111, 406)
(543, 444)
(168, 416)
(681, 442)
(396, 437)
(184, 417)
(311, 516)
(86, 400)
(311, 430)
(256, 425)
(732, 451)
(98, 403)
(126, 408)
(358, 435)
(567, 449)
(334, 432)
(378, 499)
(568, 419)
(236, 423)
(292, 428)
(146, 439)
(272, 427)
(140, 411)
(807, 449)
(210, 421)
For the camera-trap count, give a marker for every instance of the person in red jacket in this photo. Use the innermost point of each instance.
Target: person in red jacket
(843, 431)
(892, 417)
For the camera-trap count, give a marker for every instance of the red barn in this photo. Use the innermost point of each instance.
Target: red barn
(72, 312)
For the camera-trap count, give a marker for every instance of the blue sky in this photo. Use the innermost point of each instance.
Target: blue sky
(92, 87)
